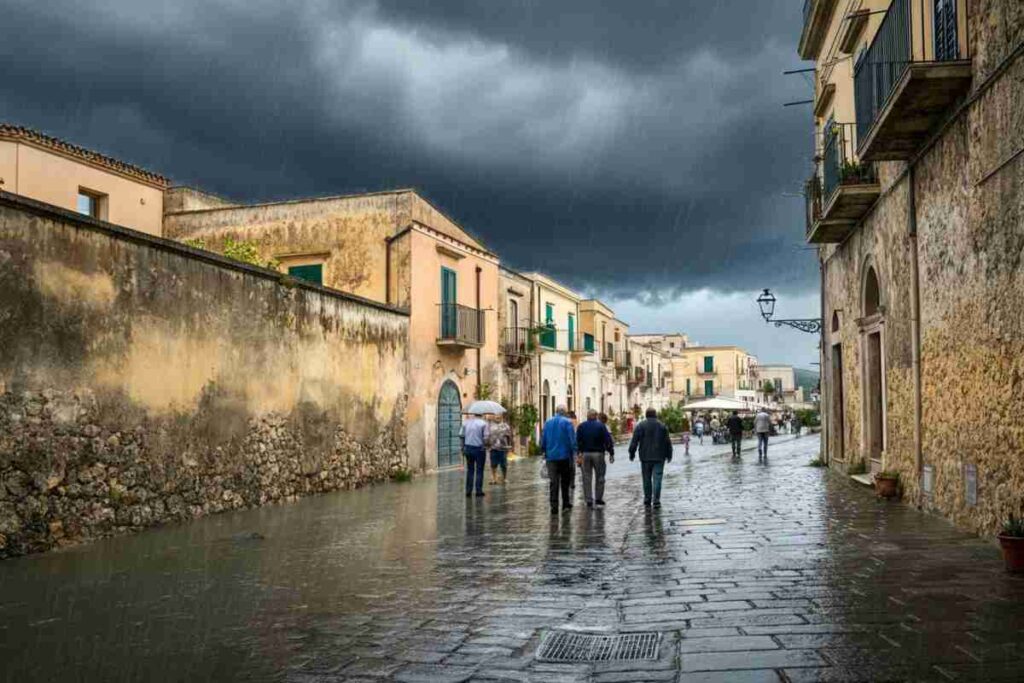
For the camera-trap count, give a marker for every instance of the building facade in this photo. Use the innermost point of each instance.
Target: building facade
(782, 379)
(393, 248)
(556, 316)
(915, 207)
(710, 371)
(56, 172)
(650, 377)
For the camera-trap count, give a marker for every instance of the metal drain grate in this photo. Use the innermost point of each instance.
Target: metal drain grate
(565, 646)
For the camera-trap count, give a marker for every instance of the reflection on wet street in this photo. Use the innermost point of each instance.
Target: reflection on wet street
(785, 572)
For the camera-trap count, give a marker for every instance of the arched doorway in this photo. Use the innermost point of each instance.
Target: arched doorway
(873, 368)
(449, 421)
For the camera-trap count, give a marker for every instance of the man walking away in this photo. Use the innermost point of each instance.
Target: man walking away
(651, 437)
(592, 440)
(735, 425)
(499, 441)
(558, 444)
(698, 427)
(474, 443)
(762, 425)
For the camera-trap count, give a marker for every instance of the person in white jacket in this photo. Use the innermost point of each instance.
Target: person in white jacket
(762, 426)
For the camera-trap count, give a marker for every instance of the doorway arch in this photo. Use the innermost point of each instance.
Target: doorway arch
(873, 354)
(449, 422)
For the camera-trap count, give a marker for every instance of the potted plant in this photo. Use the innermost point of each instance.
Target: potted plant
(887, 484)
(1011, 540)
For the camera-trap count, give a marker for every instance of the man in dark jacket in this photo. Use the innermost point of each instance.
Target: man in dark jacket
(651, 437)
(592, 441)
(735, 426)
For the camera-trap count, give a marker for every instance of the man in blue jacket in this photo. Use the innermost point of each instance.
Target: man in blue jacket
(558, 444)
(594, 440)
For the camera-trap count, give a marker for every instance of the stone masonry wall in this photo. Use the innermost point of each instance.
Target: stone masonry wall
(143, 382)
(970, 219)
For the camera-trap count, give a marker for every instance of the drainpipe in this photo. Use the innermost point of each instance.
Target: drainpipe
(479, 332)
(915, 330)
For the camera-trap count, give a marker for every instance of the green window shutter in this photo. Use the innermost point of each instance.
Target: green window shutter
(688, 392)
(449, 297)
(709, 363)
(314, 273)
(548, 337)
(572, 332)
(709, 387)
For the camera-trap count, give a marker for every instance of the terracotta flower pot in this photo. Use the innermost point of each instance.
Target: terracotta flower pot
(1013, 553)
(886, 487)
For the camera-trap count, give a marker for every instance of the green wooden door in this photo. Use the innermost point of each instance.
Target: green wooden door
(572, 332)
(548, 337)
(449, 421)
(709, 387)
(709, 363)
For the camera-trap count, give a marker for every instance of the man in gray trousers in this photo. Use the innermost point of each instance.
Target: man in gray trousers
(593, 440)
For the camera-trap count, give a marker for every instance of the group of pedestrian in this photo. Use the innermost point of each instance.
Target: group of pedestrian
(480, 436)
(585, 446)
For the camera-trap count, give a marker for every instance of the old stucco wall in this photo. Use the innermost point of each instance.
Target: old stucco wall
(142, 382)
(350, 232)
(970, 215)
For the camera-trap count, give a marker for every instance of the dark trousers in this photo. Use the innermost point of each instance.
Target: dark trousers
(762, 444)
(737, 441)
(560, 473)
(476, 459)
(652, 473)
(593, 476)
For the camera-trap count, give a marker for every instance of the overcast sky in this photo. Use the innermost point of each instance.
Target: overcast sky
(638, 151)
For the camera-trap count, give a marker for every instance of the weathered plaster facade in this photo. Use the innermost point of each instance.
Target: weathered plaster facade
(142, 381)
(389, 247)
(965, 228)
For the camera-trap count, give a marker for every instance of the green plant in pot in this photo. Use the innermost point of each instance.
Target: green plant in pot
(887, 484)
(1011, 540)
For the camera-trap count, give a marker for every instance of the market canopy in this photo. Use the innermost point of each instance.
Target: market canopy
(721, 404)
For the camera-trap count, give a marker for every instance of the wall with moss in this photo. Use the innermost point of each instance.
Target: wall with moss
(142, 382)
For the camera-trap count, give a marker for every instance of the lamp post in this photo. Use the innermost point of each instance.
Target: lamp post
(767, 303)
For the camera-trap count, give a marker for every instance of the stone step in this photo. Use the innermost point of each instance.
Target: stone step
(865, 479)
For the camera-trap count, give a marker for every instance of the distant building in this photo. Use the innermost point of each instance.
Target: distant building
(56, 172)
(710, 371)
(782, 379)
(668, 344)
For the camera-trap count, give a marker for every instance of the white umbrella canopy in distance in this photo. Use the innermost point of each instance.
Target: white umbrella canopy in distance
(485, 408)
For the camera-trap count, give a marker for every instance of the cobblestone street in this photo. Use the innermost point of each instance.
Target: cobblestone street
(750, 573)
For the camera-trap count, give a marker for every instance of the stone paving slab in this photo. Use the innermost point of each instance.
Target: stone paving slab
(751, 573)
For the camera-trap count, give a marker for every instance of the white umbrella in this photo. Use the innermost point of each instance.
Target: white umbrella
(718, 404)
(485, 408)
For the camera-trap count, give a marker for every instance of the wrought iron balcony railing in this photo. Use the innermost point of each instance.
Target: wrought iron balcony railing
(460, 325)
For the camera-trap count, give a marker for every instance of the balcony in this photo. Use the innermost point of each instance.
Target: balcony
(817, 16)
(912, 74)
(518, 345)
(708, 372)
(636, 377)
(608, 354)
(847, 189)
(623, 360)
(460, 326)
(582, 345)
(548, 338)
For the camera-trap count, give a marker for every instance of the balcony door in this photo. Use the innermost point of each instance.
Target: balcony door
(513, 323)
(449, 297)
(947, 42)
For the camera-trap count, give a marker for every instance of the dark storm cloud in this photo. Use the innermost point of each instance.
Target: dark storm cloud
(633, 149)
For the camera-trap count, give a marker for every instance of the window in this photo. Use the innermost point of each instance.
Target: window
(709, 387)
(709, 363)
(309, 273)
(688, 391)
(91, 203)
(549, 337)
(778, 385)
(449, 298)
(572, 332)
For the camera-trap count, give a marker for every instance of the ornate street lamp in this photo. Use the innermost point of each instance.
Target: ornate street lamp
(767, 303)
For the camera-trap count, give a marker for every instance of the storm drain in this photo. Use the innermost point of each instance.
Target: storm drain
(565, 646)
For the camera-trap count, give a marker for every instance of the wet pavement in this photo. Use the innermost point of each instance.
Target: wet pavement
(749, 573)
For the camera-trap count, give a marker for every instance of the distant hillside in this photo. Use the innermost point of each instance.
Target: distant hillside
(808, 379)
